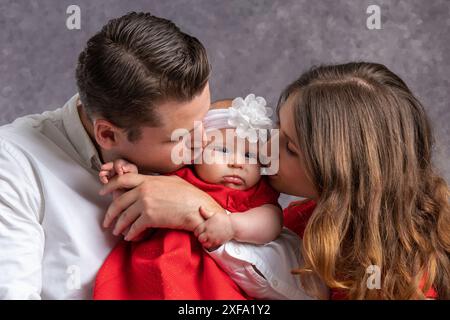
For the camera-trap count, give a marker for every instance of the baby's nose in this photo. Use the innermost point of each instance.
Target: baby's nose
(236, 162)
(236, 165)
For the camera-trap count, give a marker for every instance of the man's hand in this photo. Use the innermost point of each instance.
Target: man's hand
(215, 231)
(155, 202)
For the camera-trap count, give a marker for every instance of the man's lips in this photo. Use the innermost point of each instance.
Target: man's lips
(233, 179)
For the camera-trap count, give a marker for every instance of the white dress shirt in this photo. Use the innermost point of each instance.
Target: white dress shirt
(51, 240)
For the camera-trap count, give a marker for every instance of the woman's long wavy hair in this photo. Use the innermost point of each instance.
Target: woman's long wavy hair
(367, 145)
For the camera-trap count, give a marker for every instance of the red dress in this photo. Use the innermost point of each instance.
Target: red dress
(172, 264)
(296, 217)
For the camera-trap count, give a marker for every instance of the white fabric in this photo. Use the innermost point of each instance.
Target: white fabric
(51, 239)
(217, 119)
(274, 260)
(248, 116)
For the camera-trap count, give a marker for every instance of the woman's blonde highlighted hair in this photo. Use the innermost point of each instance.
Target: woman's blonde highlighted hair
(367, 144)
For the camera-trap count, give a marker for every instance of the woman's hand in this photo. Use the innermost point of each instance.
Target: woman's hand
(155, 202)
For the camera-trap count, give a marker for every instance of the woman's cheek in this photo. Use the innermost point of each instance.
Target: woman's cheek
(285, 164)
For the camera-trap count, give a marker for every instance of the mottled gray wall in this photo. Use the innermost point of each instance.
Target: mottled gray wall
(254, 46)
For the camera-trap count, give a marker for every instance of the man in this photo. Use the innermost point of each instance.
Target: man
(139, 79)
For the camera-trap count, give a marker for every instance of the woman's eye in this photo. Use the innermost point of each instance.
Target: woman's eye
(289, 150)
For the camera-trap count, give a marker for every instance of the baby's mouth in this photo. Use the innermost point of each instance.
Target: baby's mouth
(234, 179)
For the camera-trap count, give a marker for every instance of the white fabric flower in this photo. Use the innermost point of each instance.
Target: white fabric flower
(249, 115)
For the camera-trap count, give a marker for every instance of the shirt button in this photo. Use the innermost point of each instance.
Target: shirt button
(237, 250)
(275, 283)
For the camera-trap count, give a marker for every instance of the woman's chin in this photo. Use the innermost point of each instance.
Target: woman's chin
(279, 184)
(276, 183)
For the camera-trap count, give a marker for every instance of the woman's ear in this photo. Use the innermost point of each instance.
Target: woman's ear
(107, 135)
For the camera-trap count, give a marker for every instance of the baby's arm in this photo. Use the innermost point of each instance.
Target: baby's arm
(258, 226)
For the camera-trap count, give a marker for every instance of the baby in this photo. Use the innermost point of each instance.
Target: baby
(230, 172)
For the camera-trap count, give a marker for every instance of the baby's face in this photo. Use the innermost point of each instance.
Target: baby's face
(230, 161)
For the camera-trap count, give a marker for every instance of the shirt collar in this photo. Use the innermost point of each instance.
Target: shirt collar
(77, 134)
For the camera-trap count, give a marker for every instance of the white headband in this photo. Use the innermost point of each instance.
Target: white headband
(217, 119)
(247, 116)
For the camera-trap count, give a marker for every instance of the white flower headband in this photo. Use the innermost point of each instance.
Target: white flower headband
(246, 115)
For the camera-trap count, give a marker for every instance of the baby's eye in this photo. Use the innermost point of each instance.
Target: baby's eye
(250, 155)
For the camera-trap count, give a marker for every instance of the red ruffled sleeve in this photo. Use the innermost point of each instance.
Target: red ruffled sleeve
(297, 214)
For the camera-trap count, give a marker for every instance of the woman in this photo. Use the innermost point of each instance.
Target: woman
(354, 138)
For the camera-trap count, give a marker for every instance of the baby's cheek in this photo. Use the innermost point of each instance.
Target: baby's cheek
(209, 172)
(254, 174)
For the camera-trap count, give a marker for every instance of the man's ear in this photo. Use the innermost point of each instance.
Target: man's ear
(106, 134)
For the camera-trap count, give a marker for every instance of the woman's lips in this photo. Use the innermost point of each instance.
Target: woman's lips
(234, 180)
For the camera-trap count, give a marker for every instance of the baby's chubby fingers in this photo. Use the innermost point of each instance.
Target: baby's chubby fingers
(129, 168)
(107, 166)
(104, 176)
(200, 229)
(203, 238)
(121, 165)
(126, 181)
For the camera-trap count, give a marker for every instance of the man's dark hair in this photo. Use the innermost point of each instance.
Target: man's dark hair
(136, 62)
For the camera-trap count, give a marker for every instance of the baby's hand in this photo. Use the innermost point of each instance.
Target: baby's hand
(215, 231)
(116, 167)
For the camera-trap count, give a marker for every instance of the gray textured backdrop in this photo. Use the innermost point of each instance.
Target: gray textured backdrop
(254, 46)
